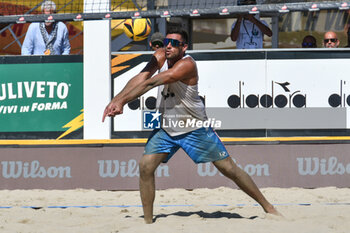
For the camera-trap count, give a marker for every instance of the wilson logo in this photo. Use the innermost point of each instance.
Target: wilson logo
(114, 168)
(19, 169)
(314, 165)
(207, 169)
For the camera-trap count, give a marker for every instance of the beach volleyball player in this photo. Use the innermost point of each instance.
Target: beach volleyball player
(178, 95)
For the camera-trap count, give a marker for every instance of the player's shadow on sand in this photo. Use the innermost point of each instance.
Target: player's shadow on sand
(217, 214)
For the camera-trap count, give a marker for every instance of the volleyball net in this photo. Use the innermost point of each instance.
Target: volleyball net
(16, 15)
(15, 11)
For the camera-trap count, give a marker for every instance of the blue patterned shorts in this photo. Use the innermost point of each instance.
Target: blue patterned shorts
(202, 145)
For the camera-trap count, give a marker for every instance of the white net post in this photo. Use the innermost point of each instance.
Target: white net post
(97, 71)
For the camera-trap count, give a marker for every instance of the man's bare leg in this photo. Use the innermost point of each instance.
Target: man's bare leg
(228, 168)
(148, 165)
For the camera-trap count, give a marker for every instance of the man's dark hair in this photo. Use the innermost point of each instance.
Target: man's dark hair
(180, 31)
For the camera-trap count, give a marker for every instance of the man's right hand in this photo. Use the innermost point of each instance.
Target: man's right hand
(113, 108)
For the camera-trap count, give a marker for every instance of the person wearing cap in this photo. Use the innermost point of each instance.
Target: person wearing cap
(330, 40)
(248, 31)
(46, 38)
(156, 41)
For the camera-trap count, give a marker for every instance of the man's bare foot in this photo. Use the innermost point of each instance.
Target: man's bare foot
(148, 220)
(272, 210)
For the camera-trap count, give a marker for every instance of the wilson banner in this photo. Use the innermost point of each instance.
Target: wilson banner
(106, 167)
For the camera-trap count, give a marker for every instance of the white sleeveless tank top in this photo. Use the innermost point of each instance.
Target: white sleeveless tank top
(180, 105)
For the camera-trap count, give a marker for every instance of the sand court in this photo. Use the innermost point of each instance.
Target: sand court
(176, 210)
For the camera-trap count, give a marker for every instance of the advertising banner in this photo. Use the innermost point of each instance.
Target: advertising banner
(305, 92)
(116, 167)
(40, 98)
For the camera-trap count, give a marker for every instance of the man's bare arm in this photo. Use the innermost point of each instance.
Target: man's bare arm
(115, 107)
(183, 70)
(145, 74)
(236, 28)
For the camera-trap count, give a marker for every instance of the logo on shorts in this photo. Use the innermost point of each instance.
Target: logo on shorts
(222, 153)
(151, 119)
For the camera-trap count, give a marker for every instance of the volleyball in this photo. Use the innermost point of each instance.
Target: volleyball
(137, 29)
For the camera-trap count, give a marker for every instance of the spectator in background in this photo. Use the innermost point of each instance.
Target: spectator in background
(309, 42)
(156, 41)
(249, 30)
(330, 40)
(46, 38)
(348, 33)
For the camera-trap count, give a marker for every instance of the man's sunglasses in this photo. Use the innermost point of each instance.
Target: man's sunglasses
(333, 40)
(173, 42)
(308, 45)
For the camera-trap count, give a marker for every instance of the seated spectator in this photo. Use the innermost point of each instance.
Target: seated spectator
(49, 38)
(330, 40)
(309, 42)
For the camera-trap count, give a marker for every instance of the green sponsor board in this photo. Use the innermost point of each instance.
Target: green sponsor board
(40, 97)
